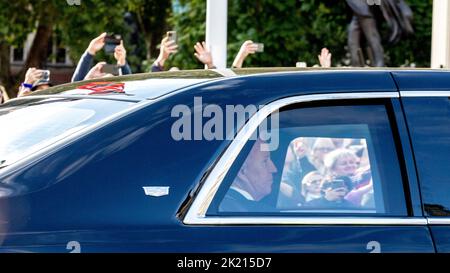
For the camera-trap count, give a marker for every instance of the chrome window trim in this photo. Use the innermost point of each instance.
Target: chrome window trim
(438, 221)
(196, 214)
(297, 220)
(412, 94)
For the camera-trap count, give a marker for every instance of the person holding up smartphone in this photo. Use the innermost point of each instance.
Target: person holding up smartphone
(35, 79)
(96, 45)
(334, 190)
(247, 48)
(3, 95)
(168, 46)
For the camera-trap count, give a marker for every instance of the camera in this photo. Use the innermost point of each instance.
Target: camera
(259, 47)
(45, 75)
(111, 41)
(172, 36)
(338, 182)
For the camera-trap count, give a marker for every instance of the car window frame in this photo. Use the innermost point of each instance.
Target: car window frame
(196, 214)
(431, 219)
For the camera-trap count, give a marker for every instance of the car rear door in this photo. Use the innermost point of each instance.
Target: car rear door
(425, 99)
(372, 125)
(428, 116)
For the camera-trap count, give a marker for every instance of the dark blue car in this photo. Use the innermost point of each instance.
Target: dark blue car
(230, 161)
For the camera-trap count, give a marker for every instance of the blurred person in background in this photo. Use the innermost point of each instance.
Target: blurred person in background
(324, 58)
(310, 186)
(3, 95)
(167, 47)
(35, 79)
(203, 54)
(333, 194)
(321, 147)
(96, 45)
(296, 166)
(247, 48)
(97, 72)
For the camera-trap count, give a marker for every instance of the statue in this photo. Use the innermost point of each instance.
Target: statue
(398, 16)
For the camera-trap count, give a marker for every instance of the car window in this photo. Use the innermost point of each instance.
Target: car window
(326, 159)
(29, 125)
(429, 124)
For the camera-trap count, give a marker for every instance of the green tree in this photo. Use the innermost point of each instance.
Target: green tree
(13, 31)
(294, 30)
(291, 30)
(76, 24)
(189, 22)
(152, 19)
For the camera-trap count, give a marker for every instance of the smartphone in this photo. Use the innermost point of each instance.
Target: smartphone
(111, 69)
(335, 184)
(172, 36)
(111, 41)
(260, 47)
(45, 75)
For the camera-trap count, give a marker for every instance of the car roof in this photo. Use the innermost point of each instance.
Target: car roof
(149, 86)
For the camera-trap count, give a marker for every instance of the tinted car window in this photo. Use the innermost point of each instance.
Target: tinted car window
(429, 124)
(29, 125)
(328, 159)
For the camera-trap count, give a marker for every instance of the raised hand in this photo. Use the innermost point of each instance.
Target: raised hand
(325, 58)
(248, 47)
(96, 44)
(96, 72)
(203, 54)
(167, 48)
(120, 54)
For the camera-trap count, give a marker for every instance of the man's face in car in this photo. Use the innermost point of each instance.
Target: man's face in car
(258, 171)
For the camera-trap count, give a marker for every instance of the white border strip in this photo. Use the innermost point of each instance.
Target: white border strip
(197, 211)
(438, 221)
(424, 94)
(277, 220)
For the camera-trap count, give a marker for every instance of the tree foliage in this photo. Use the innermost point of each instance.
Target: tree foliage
(291, 30)
(76, 26)
(296, 30)
(151, 17)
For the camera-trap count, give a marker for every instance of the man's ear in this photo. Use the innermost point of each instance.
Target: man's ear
(242, 174)
(244, 168)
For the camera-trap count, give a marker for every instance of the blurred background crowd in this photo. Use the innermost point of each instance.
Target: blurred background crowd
(44, 43)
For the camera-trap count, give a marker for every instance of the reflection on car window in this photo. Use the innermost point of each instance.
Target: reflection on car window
(429, 123)
(327, 173)
(329, 160)
(30, 127)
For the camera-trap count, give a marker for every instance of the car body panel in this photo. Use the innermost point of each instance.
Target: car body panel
(429, 124)
(234, 239)
(95, 196)
(422, 80)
